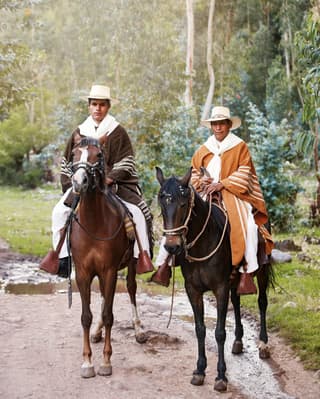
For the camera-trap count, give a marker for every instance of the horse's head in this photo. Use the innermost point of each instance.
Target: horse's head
(175, 198)
(87, 165)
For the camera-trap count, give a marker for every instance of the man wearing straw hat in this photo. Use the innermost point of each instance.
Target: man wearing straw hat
(231, 172)
(120, 170)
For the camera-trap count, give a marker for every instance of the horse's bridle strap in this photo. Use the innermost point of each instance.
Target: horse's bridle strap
(184, 227)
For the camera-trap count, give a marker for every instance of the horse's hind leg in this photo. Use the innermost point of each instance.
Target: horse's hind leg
(237, 346)
(96, 336)
(140, 335)
(87, 368)
(263, 282)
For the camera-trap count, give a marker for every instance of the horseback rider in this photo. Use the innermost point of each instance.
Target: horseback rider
(120, 172)
(231, 172)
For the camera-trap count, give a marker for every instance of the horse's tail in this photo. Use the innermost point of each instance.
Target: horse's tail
(270, 274)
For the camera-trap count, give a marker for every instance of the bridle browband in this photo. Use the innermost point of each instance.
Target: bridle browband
(183, 229)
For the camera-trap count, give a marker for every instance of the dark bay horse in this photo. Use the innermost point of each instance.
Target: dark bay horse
(100, 247)
(194, 230)
(197, 233)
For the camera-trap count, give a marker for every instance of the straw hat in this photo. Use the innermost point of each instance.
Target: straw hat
(100, 92)
(220, 114)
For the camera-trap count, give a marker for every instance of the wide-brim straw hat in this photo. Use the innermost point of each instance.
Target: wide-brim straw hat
(100, 92)
(220, 114)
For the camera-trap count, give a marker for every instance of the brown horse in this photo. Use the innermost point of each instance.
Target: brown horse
(196, 232)
(100, 247)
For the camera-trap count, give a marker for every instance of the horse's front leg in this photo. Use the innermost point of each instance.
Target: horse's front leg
(237, 346)
(222, 298)
(87, 368)
(262, 277)
(108, 287)
(196, 300)
(140, 335)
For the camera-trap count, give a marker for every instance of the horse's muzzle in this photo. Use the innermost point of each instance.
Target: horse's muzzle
(80, 181)
(173, 244)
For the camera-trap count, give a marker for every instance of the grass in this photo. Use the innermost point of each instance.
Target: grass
(26, 218)
(294, 305)
(294, 309)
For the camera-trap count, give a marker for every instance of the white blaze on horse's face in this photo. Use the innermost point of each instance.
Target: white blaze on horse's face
(80, 175)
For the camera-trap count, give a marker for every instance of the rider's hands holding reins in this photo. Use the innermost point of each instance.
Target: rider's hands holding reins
(109, 181)
(209, 186)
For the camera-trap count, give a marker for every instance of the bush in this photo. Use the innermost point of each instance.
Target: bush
(272, 153)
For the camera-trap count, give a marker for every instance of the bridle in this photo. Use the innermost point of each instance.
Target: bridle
(183, 229)
(95, 169)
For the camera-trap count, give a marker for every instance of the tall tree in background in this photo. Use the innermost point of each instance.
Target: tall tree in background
(190, 53)
(308, 44)
(207, 105)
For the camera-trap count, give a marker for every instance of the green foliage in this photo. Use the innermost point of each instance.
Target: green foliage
(21, 141)
(293, 309)
(308, 47)
(272, 152)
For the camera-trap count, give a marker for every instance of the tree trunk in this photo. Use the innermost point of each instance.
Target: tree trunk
(207, 105)
(190, 51)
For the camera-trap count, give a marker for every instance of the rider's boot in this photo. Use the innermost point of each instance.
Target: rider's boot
(246, 284)
(163, 274)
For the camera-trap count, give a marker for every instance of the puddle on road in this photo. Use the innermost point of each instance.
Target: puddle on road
(247, 372)
(25, 278)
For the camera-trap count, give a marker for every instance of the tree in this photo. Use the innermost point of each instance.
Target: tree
(272, 153)
(308, 45)
(190, 51)
(208, 103)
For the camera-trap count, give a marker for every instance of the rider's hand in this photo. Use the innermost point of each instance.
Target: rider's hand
(213, 187)
(109, 181)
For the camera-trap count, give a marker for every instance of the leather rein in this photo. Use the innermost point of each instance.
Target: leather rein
(183, 230)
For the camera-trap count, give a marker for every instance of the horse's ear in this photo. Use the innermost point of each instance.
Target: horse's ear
(186, 178)
(159, 175)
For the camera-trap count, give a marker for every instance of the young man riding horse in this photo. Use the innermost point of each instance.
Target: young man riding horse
(231, 174)
(120, 172)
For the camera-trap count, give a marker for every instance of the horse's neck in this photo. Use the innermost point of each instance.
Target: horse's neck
(95, 207)
(199, 217)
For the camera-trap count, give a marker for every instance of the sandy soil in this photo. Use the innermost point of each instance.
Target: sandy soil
(41, 345)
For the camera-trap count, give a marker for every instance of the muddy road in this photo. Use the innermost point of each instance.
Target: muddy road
(41, 345)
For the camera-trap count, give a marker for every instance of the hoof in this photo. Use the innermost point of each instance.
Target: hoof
(220, 386)
(197, 379)
(87, 372)
(95, 338)
(105, 371)
(237, 347)
(264, 353)
(141, 338)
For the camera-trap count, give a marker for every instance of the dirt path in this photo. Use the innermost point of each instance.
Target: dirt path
(41, 344)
